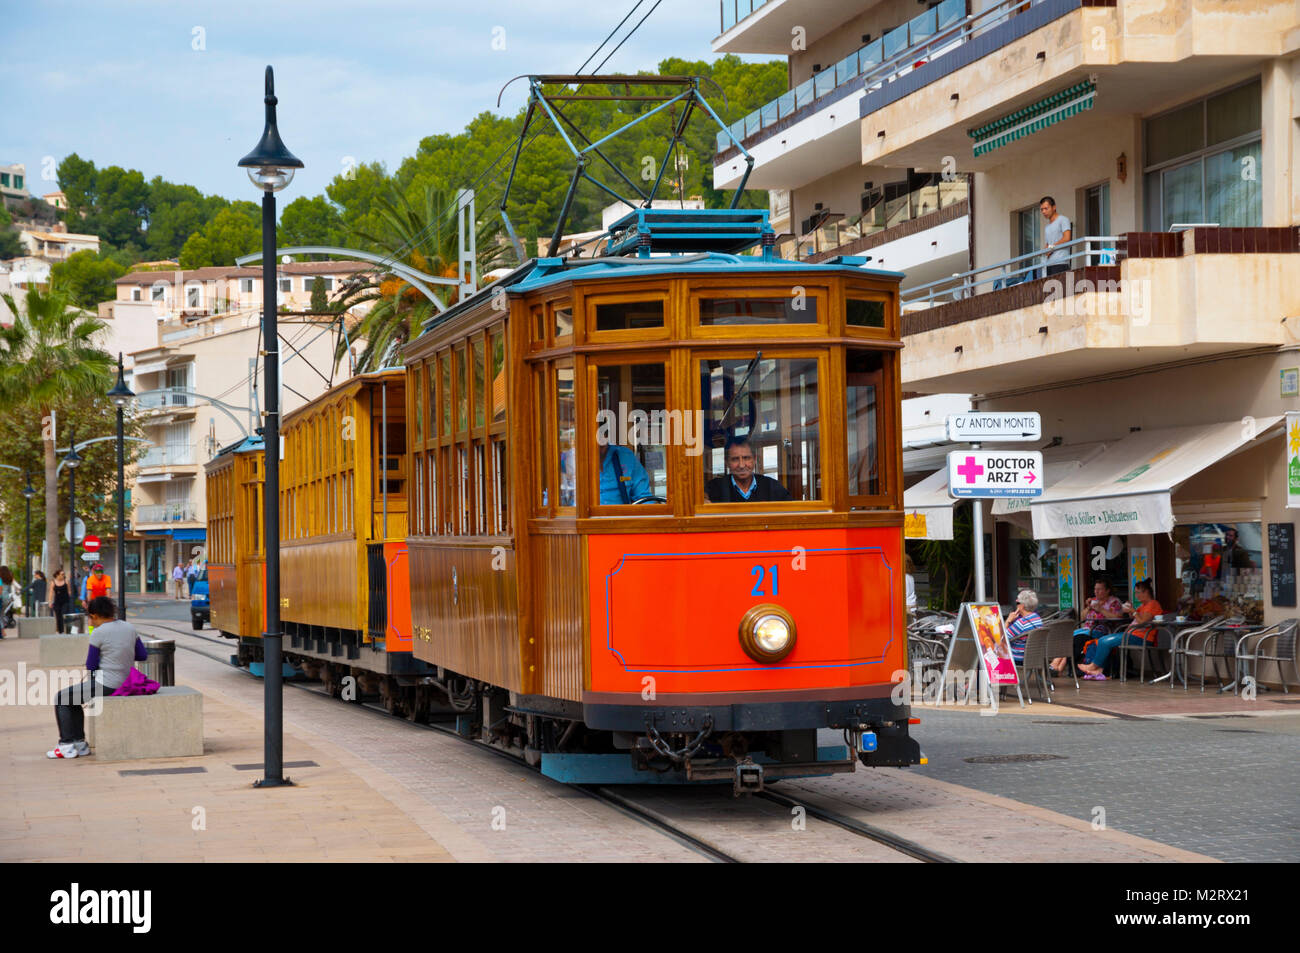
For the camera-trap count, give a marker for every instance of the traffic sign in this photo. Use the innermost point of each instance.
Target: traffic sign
(90, 544)
(987, 473)
(995, 426)
(81, 531)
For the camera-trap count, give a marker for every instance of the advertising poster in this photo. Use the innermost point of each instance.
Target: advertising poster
(1138, 568)
(1293, 460)
(991, 637)
(1065, 576)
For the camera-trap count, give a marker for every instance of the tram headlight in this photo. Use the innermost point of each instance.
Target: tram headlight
(767, 633)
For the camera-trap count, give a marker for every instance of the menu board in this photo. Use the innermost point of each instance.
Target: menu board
(1281, 563)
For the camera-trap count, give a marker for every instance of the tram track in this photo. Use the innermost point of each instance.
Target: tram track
(615, 800)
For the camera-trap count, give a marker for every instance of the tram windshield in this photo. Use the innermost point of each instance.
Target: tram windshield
(762, 429)
(633, 429)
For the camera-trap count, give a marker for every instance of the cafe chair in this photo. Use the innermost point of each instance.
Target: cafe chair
(1146, 649)
(1210, 644)
(1280, 642)
(1035, 661)
(1060, 644)
(1191, 643)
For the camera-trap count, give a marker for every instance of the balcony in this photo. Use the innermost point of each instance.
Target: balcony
(1124, 302)
(1135, 56)
(889, 210)
(763, 26)
(165, 513)
(164, 399)
(171, 455)
(929, 35)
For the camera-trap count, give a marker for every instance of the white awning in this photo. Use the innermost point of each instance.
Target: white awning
(1059, 465)
(151, 367)
(1126, 488)
(153, 477)
(927, 508)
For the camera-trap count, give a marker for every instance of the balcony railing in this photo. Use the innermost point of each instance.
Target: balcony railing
(929, 35)
(172, 455)
(732, 12)
(164, 398)
(1083, 252)
(885, 214)
(165, 513)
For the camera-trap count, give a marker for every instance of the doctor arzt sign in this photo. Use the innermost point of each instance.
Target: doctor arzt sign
(987, 473)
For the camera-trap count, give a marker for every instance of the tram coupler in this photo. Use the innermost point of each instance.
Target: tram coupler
(889, 746)
(749, 778)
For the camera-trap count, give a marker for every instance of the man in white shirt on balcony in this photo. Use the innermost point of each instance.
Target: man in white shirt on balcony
(1055, 233)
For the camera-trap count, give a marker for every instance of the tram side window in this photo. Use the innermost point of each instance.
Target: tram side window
(629, 315)
(633, 430)
(565, 411)
(796, 309)
(762, 429)
(862, 408)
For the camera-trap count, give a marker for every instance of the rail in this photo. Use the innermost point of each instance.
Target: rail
(885, 213)
(163, 398)
(926, 36)
(165, 513)
(731, 12)
(1079, 253)
(168, 456)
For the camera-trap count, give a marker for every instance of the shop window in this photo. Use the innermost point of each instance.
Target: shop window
(767, 409)
(1220, 570)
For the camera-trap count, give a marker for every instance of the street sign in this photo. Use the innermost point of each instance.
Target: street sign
(90, 557)
(91, 544)
(988, 473)
(995, 426)
(81, 531)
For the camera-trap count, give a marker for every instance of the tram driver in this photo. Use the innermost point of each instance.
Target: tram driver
(741, 484)
(622, 478)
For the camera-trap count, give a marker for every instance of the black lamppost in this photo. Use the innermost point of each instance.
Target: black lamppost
(121, 396)
(270, 167)
(29, 491)
(72, 461)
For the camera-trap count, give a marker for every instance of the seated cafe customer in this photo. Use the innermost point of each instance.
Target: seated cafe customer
(1022, 621)
(1103, 605)
(114, 646)
(1146, 610)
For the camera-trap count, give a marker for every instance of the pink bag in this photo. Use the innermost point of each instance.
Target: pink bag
(137, 683)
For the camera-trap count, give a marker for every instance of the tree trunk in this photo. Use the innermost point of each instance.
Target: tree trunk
(52, 558)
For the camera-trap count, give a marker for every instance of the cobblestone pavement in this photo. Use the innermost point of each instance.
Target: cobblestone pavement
(1222, 785)
(383, 789)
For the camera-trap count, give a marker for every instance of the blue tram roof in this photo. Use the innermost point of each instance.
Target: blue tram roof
(243, 445)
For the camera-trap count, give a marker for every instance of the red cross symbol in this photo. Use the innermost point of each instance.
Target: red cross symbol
(970, 469)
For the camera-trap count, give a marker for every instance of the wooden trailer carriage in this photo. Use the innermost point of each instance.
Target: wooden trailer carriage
(695, 633)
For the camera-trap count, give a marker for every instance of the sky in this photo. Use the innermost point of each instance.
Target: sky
(175, 88)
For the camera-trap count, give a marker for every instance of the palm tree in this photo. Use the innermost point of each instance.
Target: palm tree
(48, 360)
(422, 235)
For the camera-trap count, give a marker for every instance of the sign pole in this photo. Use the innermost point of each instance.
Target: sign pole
(977, 528)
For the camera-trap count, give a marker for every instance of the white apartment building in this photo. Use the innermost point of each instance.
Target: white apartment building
(190, 340)
(13, 181)
(1158, 342)
(56, 243)
(807, 150)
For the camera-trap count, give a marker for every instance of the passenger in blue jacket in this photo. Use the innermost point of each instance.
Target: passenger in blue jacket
(114, 645)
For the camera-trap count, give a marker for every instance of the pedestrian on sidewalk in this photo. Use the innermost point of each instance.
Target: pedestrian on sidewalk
(8, 595)
(191, 575)
(114, 645)
(178, 580)
(62, 601)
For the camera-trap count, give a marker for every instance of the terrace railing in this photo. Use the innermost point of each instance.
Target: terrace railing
(165, 513)
(925, 37)
(1082, 252)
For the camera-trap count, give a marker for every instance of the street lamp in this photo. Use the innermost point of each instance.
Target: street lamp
(72, 461)
(121, 396)
(29, 491)
(271, 167)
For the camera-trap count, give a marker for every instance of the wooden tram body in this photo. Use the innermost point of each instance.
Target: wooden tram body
(236, 557)
(572, 611)
(603, 637)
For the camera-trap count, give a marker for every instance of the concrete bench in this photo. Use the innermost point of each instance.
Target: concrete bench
(64, 651)
(166, 725)
(37, 626)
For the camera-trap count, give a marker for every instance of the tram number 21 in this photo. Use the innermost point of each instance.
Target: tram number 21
(758, 586)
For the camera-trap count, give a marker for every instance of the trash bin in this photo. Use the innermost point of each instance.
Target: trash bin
(161, 662)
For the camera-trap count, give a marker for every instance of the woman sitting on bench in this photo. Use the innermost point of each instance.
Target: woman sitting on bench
(114, 646)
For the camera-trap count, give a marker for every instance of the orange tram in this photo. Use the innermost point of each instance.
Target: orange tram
(637, 518)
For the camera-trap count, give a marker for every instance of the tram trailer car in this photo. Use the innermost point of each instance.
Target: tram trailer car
(638, 618)
(344, 603)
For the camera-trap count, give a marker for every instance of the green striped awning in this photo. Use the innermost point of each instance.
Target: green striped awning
(1033, 118)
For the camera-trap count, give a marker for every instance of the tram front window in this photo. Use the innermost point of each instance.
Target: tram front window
(762, 440)
(632, 430)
